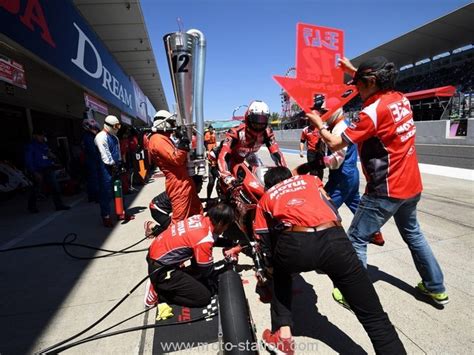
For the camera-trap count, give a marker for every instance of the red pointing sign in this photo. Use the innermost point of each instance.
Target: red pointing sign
(317, 52)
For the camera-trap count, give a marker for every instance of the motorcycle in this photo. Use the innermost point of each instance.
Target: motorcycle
(244, 197)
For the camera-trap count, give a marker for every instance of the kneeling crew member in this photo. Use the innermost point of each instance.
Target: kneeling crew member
(192, 238)
(296, 216)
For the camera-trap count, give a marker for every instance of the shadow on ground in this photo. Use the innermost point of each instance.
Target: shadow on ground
(310, 323)
(37, 281)
(376, 274)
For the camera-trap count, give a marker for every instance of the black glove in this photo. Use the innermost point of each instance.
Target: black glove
(179, 133)
(184, 143)
(121, 168)
(112, 169)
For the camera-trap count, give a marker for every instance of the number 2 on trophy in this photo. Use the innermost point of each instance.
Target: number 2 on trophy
(183, 60)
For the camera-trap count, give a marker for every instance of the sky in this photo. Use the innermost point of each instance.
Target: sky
(250, 41)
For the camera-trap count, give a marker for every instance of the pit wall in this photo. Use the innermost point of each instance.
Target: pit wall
(427, 132)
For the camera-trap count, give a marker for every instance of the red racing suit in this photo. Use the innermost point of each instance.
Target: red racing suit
(238, 143)
(178, 184)
(191, 237)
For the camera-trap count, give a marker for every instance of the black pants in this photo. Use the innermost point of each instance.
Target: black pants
(316, 163)
(176, 286)
(46, 175)
(213, 175)
(330, 251)
(162, 219)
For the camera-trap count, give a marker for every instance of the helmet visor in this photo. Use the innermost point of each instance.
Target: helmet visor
(257, 122)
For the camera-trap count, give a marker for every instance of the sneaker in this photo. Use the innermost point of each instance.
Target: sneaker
(278, 345)
(151, 297)
(125, 217)
(148, 226)
(440, 298)
(107, 222)
(339, 298)
(377, 239)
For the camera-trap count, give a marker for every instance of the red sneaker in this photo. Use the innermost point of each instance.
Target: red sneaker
(280, 346)
(377, 239)
(107, 222)
(151, 297)
(148, 226)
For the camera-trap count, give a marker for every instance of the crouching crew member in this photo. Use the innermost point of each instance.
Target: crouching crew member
(298, 225)
(192, 238)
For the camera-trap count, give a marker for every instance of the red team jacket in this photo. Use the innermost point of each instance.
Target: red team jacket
(310, 135)
(297, 201)
(183, 240)
(385, 135)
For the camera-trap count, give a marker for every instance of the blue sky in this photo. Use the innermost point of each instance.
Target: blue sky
(249, 41)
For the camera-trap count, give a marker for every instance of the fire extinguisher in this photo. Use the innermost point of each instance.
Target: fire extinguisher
(118, 199)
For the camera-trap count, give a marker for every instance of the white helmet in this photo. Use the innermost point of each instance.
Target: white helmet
(163, 114)
(257, 116)
(163, 121)
(258, 107)
(112, 124)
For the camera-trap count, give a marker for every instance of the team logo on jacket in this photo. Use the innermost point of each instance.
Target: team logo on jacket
(295, 202)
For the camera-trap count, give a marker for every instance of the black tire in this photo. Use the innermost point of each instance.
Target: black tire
(238, 336)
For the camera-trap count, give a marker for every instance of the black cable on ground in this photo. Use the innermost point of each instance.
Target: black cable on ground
(123, 331)
(115, 325)
(48, 350)
(65, 243)
(111, 252)
(54, 349)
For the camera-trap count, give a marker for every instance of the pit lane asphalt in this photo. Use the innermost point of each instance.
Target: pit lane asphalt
(46, 296)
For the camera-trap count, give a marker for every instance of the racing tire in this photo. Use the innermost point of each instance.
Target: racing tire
(238, 332)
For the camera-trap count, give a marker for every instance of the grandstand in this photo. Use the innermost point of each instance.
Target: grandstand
(437, 54)
(436, 64)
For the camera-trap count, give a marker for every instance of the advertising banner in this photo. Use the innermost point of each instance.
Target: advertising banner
(125, 119)
(95, 104)
(57, 33)
(151, 110)
(140, 101)
(12, 72)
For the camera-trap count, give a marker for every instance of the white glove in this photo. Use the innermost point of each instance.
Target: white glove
(229, 181)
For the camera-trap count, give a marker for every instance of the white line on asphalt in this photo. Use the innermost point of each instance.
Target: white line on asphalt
(33, 229)
(457, 173)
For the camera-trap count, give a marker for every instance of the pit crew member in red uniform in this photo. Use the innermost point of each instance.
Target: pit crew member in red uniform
(314, 152)
(212, 156)
(192, 238)
(247, 139)
(162, 211)
(303, 227)
(385, 134)
(172, 160)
